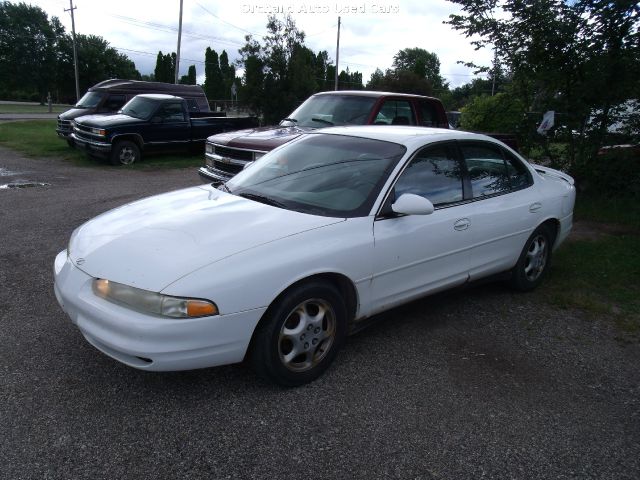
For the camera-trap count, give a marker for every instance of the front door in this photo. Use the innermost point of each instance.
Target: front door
(418, 254)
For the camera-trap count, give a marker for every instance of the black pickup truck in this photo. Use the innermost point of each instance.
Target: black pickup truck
(147, 123)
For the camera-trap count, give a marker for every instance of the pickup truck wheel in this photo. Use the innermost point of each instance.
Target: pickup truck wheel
(300, 335)
(125, 152)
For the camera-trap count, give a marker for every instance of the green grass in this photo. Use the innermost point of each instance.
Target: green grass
(616, 210)
(26, 108)
(599, 276)
(38, 138)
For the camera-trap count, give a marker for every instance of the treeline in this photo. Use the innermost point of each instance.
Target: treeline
(36, 57)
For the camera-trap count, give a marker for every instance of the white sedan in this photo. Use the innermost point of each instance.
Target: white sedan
(280, 263)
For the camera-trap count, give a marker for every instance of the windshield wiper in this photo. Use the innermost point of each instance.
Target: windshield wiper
(261, 199)
(322, 120)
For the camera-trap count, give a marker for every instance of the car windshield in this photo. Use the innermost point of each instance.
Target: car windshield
(90, 100)
(320, 174)
(327, 110)
(139, 107)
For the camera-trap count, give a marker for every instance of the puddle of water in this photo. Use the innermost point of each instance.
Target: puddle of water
(7, 186)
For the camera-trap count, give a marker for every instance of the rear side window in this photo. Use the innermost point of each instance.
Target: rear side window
(192, 105)
(428, 115)
(435, 174)
(492, 173)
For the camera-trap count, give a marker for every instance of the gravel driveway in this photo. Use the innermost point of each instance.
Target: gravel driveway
(476, 383)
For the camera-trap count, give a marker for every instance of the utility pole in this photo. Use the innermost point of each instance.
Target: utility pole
(178, 52)
(337, 54)
(75, 52)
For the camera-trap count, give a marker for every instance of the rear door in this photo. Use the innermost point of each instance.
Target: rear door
(504, 209)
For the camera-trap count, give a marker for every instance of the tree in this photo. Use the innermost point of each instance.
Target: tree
(213, 81)
(190, 77)
(579, 58)
(422, 63)
(501, 113)
(97, 61)
(228, 73)
(28, 50)
(400, 81)
(165, 67)
(281, 71)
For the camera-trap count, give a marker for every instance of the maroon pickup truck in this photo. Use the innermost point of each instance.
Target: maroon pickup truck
(228, 153)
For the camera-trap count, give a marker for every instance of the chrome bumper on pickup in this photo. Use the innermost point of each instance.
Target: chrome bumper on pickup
(92, 146)
(220, 169)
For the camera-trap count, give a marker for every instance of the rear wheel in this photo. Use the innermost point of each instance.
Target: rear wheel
(300, 336)
(534, 260)
(124, 152)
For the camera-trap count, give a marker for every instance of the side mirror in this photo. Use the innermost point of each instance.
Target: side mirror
(412, 204)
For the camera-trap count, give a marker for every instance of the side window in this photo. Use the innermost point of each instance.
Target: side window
(519, 176)
(434, 173)
(428, 115)
(192, 105)
(114, 102)
(487, 169)
(395, 112)
(172, 112)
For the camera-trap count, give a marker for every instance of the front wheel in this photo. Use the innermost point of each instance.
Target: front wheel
(124, 152)
(534, 260)
(300, 335)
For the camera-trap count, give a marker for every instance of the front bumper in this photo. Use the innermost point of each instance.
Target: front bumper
(99, 149)
(145, 341)
(209, 175)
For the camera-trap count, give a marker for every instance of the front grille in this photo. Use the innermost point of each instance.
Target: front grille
(64, 125)
(228, 152)
(227, 167)
(83, 128)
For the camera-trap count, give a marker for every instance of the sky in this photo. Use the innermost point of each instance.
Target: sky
(371, 33)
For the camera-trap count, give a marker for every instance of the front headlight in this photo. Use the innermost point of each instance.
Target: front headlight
(208, 148)
(99, 131)
(151, 302)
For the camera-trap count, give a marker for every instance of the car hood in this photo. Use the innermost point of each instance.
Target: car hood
(153, 242)
(262, 139)
(106, 121)
(74, 113)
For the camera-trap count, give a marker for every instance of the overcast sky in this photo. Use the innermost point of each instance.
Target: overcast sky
(372, 31)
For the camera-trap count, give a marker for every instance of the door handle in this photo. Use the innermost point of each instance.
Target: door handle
(462, 224)
(534, 207)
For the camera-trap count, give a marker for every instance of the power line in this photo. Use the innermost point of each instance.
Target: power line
(224, 21)
(170, 29)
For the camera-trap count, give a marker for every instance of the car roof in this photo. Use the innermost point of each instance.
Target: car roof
(158, 96)
(404, 135)
(369, 93)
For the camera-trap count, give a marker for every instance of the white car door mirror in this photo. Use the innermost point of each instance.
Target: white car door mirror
(412, 204)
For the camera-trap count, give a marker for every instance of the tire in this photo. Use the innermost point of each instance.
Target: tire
(534, 261)
(124, 152)
(309, 319)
